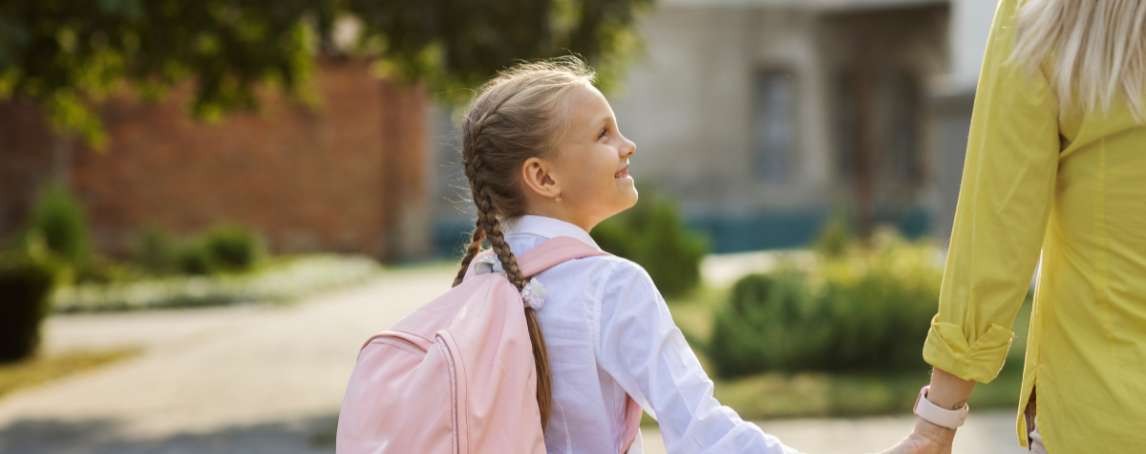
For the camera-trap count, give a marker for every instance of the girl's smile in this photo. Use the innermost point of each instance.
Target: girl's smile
(624, 172)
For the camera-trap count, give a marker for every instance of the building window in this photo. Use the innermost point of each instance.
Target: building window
(774, 130)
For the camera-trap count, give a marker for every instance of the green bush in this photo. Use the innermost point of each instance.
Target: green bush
(228, 248)
(653, 235)
(25, 284)
(193, 258)
(834, 238)
(59, 220)
(156, 251)
(771, 322)
(879, 322)
(233, 248)
(221, 249)
(868, 309)
(100, 270)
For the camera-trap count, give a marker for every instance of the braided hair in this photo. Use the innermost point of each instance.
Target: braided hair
(513, 118)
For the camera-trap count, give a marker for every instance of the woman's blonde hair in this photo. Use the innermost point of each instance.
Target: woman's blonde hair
(1095, 50)
(514, 117)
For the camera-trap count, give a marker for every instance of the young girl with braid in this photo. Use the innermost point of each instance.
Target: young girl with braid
(545, 158)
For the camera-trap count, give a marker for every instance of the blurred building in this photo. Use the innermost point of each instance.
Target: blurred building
(764, 118)
(346, 175)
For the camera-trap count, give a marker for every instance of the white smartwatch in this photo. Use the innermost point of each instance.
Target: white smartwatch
(937, 415)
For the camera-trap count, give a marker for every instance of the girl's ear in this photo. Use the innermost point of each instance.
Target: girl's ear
(537, 174)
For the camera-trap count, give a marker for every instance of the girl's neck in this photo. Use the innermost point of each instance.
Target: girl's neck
(562, 215)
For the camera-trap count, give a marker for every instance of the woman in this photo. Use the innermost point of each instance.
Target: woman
(1056, 164)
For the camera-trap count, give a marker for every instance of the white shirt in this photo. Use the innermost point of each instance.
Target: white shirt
(609, 332)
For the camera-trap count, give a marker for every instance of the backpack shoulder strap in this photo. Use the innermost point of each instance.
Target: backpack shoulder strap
(553, 252)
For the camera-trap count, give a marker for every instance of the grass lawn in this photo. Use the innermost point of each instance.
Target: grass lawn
(817, 394)
(41, 369)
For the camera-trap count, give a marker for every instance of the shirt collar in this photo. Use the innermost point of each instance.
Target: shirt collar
(547, 227)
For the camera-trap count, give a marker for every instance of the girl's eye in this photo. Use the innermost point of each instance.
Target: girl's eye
(604, 131)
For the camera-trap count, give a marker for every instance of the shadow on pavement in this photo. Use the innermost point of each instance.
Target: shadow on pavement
(103, 436)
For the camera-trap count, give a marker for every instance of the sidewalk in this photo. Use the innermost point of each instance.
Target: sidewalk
(247, 379)
(985, 432)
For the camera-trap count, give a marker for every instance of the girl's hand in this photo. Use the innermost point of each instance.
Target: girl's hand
(927, 438)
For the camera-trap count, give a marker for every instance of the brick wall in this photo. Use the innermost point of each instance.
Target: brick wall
(336, 177)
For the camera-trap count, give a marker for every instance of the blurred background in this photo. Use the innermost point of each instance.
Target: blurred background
(206, 207)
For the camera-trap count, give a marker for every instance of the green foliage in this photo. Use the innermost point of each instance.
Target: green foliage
(193, 259)
(772, 321)
(156, 251)
(59, 222)
(834, 238)
(456, 45)
(653, 235)
(232, 248)
(57, 233)
(225, 248)
(868, 309)
(63, 54)
(222, 249)
(101, 270)
(25, 284)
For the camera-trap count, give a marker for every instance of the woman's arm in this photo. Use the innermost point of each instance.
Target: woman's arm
(1004, 203)
(949, 391)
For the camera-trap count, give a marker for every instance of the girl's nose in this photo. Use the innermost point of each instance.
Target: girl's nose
(628, 149)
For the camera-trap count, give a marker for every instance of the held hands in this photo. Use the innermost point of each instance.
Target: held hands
(927, 438)
(941, 408)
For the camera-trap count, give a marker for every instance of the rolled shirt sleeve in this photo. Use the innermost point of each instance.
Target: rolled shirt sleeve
(1004, 202)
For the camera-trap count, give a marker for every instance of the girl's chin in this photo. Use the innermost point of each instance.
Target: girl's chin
(633, 196)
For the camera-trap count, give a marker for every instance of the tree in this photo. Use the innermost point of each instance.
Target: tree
(64, 54)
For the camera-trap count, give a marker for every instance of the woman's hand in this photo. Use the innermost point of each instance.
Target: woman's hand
(948, 391)
(927, 438)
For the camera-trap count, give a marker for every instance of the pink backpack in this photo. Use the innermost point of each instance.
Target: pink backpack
(457, 375)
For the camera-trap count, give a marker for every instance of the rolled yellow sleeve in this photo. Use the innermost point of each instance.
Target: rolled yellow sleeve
(948, 348)
(1005, 197)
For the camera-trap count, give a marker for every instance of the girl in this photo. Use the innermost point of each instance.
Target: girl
(1056, 167)
(544, 157)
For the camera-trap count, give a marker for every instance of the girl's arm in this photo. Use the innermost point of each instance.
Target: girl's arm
(641, 348)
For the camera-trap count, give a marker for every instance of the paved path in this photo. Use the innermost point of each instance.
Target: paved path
(989, 432)
(267, 379)
(242, 379)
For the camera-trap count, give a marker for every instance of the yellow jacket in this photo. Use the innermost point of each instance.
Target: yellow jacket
(1071, 185)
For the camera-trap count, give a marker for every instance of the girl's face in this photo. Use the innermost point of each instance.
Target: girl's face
(590, 166)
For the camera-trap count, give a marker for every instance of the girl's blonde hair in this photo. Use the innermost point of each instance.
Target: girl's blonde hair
(1096, 49)
(514, 117)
